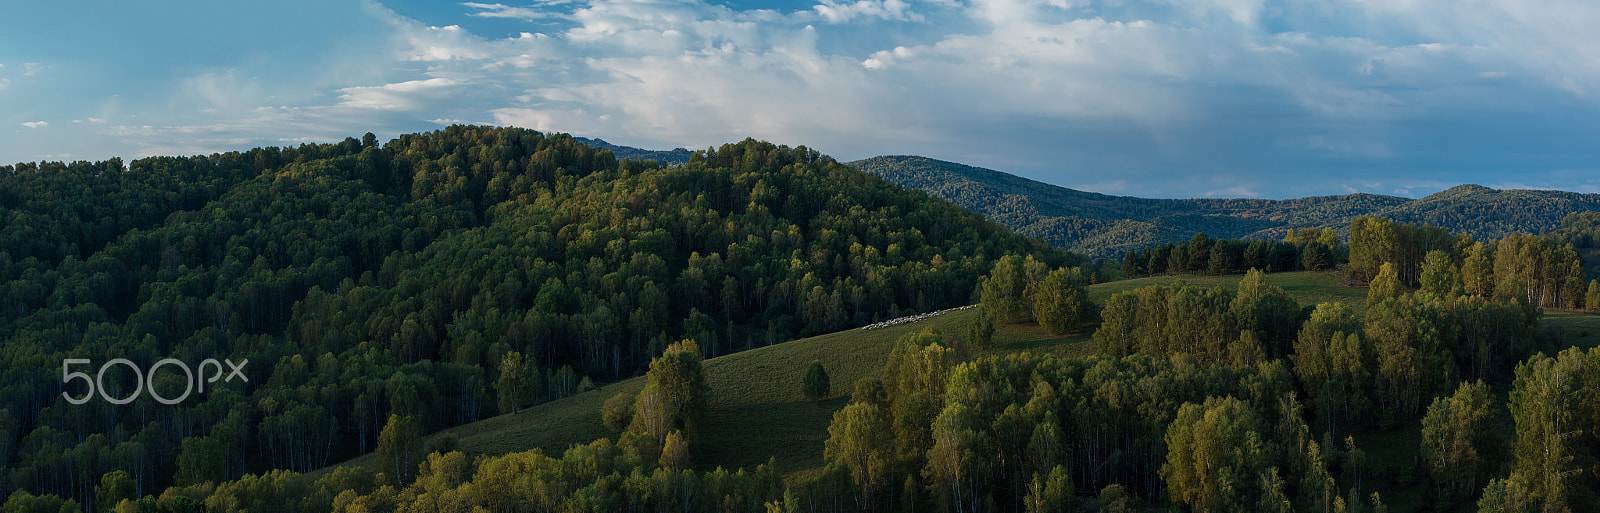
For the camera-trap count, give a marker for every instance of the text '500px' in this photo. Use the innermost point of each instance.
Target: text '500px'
(143, 379)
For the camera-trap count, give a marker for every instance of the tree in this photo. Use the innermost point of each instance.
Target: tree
(674, 396)
(200, 460)
(1062, 302)
(1131, 264)
(1267, 311)
(1455, 439)
(1592, 298)
(400, 449)
(1439, 274)
(815, 384)
(1477, 271)
(617, 412)
(114, 487)
(515, 386)
(956, 462)
(857, 437)
(980, 332)
(870, 391)
(675, 452)
(1214, 453)
(1049, 494)
(1384, 286)
(1199, 252)
(1005, 291)
(1372, 243)
(1545, 403)
(1115, 499)
(1316, 257)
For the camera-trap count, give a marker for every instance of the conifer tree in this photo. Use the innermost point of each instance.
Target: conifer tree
(815, 384)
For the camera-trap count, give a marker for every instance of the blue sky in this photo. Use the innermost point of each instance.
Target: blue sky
(1164, 98)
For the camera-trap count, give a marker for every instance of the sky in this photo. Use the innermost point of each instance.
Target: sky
(1162, 98)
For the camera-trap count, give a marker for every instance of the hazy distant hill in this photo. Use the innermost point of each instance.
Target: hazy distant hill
(667, 158)
(1105, 225)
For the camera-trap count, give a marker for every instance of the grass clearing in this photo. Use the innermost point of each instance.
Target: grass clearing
(1581, 329)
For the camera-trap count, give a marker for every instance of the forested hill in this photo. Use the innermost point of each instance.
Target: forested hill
(443, 276)
(1104, 225)
(667, 158)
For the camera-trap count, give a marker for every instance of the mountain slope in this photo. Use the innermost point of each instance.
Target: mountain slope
(1493, 213)
(364, 281)
(1105, 225)
(667, 158)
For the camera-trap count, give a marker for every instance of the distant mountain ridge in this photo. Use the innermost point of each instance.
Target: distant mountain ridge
(667, 158)
(1105, 225)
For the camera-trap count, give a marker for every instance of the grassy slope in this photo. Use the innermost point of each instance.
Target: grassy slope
(757, 410)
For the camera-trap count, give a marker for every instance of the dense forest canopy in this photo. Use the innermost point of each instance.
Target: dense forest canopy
(382, 292)
(365, 281)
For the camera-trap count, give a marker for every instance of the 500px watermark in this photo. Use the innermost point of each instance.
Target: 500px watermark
(143, 379)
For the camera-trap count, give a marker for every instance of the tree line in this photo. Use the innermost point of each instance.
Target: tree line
(1310, 249)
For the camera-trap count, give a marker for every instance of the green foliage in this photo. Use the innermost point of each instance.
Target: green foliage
(675, 452)
(21, 501)
(1114, 499)
(618, 412)
(1477, 270)
(870, 391)
(1458, 441)
(200, 460)
(516, 384)
(1385, 285)
(1439, 274)
(1005, 291)
(980, 332)
(1554, 403)
(364, 279)
(1335, 367)
(1051, 493)
(1109, 226)
(1540, 271)
(859, 438)
(1212, 325)
(674, 395)
(918, 363)
(115, 486)
(1215, 451)
(1061, 303)
(399, 449)
(815, 384)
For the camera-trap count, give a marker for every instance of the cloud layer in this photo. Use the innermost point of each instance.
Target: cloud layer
(1157, 97)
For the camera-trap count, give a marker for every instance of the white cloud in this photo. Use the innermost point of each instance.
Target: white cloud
(1074, 88)
(410, 95)
(425, 43)
(506, 11)
(841, 12)
(31, 68)
(36, 124)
